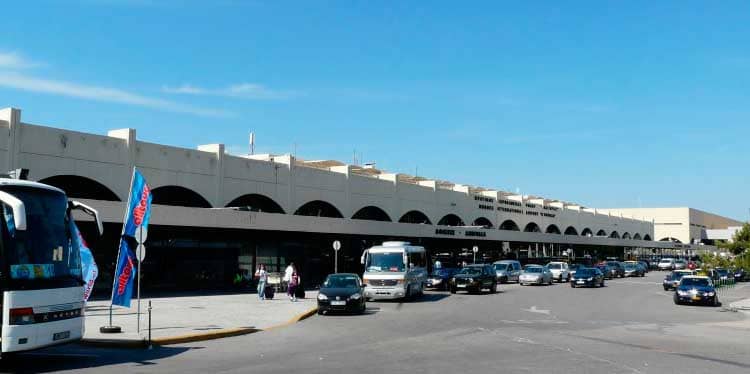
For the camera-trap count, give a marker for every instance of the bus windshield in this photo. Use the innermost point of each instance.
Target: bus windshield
(385, 262)
(42, 256)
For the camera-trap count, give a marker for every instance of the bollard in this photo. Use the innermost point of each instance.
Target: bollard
(149, 325)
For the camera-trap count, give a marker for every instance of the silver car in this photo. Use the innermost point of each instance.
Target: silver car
(507, 270)
(535, 274)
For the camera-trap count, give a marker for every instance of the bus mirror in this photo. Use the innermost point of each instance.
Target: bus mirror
(18, 210)
(75, 205)
(363, 259)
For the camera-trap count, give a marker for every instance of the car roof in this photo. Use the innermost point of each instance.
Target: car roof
(505, 261)
(696, 277)
(344, 275)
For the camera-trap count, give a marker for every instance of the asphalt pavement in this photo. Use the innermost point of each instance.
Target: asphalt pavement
(629, 326)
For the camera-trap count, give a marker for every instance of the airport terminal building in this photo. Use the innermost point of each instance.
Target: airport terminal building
(215, 214)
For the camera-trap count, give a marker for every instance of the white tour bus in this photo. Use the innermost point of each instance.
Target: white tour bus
(40, 270)
(394, 270)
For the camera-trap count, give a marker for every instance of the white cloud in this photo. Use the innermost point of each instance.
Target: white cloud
(250, 91)
(13, 60)
(28, 83)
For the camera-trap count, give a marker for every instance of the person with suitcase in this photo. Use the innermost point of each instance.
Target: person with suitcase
(262, 276)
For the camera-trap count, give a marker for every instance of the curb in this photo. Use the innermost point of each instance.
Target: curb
(191, 338)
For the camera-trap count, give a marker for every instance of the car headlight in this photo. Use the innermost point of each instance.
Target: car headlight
(590, 279)
(356, 296)
(471, 280)
(683, 293)
(322, 297)
(709, 294)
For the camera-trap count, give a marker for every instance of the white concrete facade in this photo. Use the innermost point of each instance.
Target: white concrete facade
(682, 225)
(220, 178)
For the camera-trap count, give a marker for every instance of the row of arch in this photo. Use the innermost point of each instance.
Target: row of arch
(85, 188)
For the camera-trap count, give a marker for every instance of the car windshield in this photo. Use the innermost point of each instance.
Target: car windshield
(678, 275)
(722, 272)
(500, 267)
(441, 272)
(471, 271)
(585, 272)
(341, 282)
(695, 282)
(665, 261)
(554, 266)
(44, 250)
(534, 269)
(630, 267)
(386, 262)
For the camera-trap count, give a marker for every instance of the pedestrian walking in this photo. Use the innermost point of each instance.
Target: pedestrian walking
(293, 284)
(262, 276)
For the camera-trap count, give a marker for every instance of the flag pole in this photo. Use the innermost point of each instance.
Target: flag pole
(140, 242)
(110, 328)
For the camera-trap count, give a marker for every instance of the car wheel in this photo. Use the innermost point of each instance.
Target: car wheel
(363, 308)
(602, 284)
(320, 312)
(716, 301)
(494, 288)
(408, 295)
(453, 290)
(572, 285)
(676, 300)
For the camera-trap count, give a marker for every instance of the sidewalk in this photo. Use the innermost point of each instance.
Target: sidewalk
(193, 318)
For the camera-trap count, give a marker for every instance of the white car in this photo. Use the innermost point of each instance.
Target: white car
(560, 271)
(666, 264)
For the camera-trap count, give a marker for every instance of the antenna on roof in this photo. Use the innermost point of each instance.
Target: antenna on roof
(252, 143)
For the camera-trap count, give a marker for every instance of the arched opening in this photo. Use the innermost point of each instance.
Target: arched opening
(626, 235)
(509, 225)
(372, 213)
(256, 203)
(614, 235)
(451, 220)
(79, 187)
(553, 229)
(482, 221)
(178, 196)
(637, 236)
(671, 239)
(415, 217)
(532, 227)
(318, 208)
(647, 237)
(587, 232)
(571, 231)
(601, 233)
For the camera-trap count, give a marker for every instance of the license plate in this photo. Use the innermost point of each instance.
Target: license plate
(696, 298)
(338, 303)
(61, 335)
(461, 285)
(580, 282)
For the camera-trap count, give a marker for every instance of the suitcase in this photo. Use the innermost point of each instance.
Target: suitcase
(299, 292)
(269, 292)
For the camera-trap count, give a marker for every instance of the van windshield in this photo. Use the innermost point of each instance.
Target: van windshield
(385, 262)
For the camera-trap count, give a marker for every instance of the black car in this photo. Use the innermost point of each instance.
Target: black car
(616, 269)
(341, 292)
(634, 270)
(475, 278)
(740, 275)
(694, 289)
(440, 278)
(587, 277)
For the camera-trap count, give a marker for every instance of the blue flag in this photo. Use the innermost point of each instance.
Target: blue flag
(88, 265)
(125, 273)
(139, 210)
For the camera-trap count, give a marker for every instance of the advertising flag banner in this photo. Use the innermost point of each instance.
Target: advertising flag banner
(88, 266)
(139, 207)
(125, 272)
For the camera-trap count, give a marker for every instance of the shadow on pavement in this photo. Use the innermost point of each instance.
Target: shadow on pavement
(74, 357)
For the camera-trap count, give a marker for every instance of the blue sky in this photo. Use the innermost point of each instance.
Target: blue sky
(609, 104)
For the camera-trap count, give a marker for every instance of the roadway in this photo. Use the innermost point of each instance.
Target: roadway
(630, 326)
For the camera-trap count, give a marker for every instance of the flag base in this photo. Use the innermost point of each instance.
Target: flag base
(110, 329)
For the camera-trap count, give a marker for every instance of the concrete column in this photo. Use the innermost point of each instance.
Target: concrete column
(13, 117)
(346, 170)
(129, 135)
(218, 150)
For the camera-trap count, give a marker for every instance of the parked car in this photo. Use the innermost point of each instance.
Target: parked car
(672, 279)
(696, 289)
(573, 268)
(507, 270)
(587, 277)
(719, 274)
(740, 275)
(535, 274)
(440, 278)
(645, 265)
(616, 269)
(342, 292)
(474, 278)
(634, 270)
(559, 271)
(680, 264)
(605, 270)
(666, 264)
